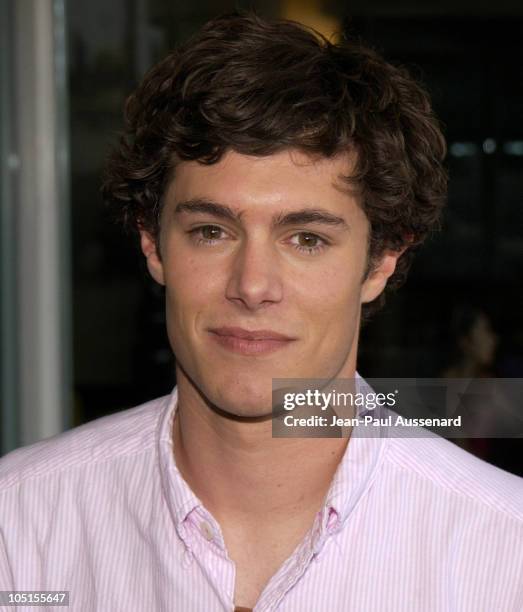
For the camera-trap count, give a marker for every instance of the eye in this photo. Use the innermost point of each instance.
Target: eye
(210, 232)
(307, 242)
(207, 234)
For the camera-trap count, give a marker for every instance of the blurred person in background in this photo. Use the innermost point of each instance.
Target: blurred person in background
(279, 184)
(473, 344)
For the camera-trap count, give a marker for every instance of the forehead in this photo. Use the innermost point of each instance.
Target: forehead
(285, 179)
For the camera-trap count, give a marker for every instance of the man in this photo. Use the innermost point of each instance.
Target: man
(278, 183)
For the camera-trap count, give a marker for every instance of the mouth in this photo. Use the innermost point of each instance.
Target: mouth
(250, 342)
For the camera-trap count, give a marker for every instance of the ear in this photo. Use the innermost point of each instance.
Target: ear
(377, 278)
(154, 263)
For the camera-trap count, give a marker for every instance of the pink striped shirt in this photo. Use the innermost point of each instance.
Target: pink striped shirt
(408, 525)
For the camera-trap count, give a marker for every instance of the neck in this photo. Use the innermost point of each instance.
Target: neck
(468, 368)
(240, 472)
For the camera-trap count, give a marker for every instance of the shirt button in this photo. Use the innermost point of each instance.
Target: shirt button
(207, 531)
(187, 559)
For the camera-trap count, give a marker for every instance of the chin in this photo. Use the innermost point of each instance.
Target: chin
(246, 399)
(243, 414)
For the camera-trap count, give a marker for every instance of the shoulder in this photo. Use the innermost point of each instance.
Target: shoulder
(442, 468)
(111, 437)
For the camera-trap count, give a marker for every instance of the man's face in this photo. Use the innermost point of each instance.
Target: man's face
(263, 259)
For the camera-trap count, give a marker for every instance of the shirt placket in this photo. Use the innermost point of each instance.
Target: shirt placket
(207, 547)
(296, 566)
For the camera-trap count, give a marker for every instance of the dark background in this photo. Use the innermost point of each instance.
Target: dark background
(469, 56)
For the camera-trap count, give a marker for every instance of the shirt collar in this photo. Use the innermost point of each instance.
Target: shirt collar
(180, 497)
(353, 477)
(358, 466)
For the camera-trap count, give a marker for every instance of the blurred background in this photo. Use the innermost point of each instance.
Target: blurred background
(82, 325)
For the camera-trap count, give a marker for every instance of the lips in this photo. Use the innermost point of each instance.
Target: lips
(250, 341)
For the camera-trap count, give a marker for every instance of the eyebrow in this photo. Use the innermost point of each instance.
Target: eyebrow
(207, 207)
(304, 216)
(309, 215)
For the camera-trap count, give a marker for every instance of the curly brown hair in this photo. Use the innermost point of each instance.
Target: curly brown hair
(257, 87)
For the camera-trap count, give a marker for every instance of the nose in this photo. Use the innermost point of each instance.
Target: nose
(255, 281)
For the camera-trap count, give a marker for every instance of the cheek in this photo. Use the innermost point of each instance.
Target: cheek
(332, 302)
(189, 279)
(194, 293)
(185, 296)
